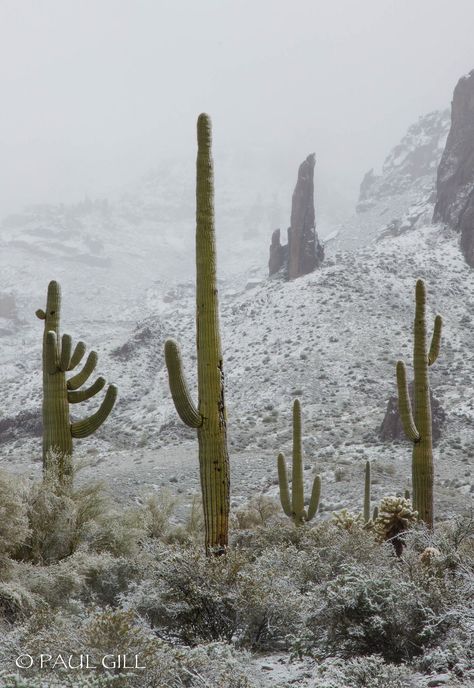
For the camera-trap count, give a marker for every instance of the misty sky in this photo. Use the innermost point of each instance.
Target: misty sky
(95, 92)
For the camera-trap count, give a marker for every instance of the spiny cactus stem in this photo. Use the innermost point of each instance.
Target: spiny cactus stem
(404, 404)
(77, 356)
(435, 340)
(315, 497)
(51, 353)
(297, 469)
(82, 377)
(367, 487)
(284, 488)
(85, 427)
(85, 394)
(65, 358)
(185, 407)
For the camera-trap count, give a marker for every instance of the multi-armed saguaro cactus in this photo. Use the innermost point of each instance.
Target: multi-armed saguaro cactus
(209, 417)
(418, 425)
(294, 507)
(58, 392)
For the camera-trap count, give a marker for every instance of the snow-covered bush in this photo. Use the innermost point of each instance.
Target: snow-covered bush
(362, 672)
(373, 611)
(13, 515)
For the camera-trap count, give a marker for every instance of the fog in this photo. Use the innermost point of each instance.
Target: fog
(95, 92)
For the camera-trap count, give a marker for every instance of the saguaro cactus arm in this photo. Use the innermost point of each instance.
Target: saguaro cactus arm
(315, 497)
(85, 427)
(284, 489)
(77, 356)
(51, 353)
(65, 358)
(404, 404)
(74, 397)
(435, 340)
(82, 377)
(185, 407)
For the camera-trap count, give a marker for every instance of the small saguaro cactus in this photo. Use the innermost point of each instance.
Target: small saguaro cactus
(209, 416)
(294, 507)
(367, 486)
(418, 425)
(58, 392)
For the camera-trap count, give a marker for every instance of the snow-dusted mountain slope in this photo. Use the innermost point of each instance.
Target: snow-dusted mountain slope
(403, 195)
(331, 338)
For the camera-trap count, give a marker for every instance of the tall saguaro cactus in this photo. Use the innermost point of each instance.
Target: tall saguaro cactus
(58, 392)
(209, 417)
(418, 424)
(294, 507)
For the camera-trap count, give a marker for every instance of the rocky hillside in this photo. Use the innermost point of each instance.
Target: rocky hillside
(403, 195)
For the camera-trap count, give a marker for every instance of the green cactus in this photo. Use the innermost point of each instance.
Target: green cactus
(367, 486)
(418, 426)
(209, 417)
(294, 507)
(58, 392)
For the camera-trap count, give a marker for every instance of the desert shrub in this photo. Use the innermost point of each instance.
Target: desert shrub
(194, 599)
(362, 672)
(257, 512)
(52, 524)
(114, 632)
(190, 597)
(119, 533)
(59, 520)
(191, 532)
(16, 602)
(269, 606)
(157, 511)
(106, 577)
(372, 611)
(13, 515)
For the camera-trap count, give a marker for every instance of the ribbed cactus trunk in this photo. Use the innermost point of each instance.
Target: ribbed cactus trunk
(57, 436)
(209, 417)
(418, 425)
(58, 393)
(367, 489)
(212, 434)
(294, 506)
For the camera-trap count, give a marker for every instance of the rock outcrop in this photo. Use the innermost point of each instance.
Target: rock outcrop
(400, 198)
(391, 428)
(455, 182)
(303, 253)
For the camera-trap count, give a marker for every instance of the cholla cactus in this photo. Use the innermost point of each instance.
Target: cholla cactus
(395, 517)
(346, 520)
(294, 507)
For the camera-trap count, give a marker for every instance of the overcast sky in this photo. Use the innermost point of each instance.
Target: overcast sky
(94, 92)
